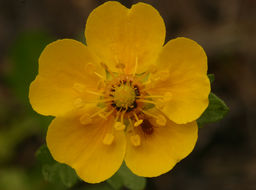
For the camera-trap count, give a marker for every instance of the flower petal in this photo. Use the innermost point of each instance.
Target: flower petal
(182, 75)
(81, 147)
(121, 36)
(62, 65)
(161, 150)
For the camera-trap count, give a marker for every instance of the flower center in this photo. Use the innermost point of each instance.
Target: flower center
(124, 96)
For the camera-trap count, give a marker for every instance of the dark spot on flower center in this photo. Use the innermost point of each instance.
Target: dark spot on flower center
(147, 127)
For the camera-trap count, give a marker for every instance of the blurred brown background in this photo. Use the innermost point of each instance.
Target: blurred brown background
(225, 155)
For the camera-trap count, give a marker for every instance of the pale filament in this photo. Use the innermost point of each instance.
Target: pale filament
(99, 75)
(107, 115)
(146, 101)
(138, 121)
(160, 118)
(134, 138)
(100, 100)
(94, 93)
(98, 112)
(136, 66)
(119, 125)
(107, 69)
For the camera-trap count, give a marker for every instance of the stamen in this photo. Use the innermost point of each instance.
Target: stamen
(98, 75)
(119, 126)
(151, 96)
(146, 101)
(160, 103)
(152, 69)
(167, 96)
(98, 112)
(79, 87)
(100, 84)
(135, 140)
(149, 114)
(107, 69)
(95, 93)
(108, 139)
(148, 87)
(164, 75)
(99, 100)
(136, 66)
(138, 121)
(108, 114)
(78, 103)
(161, 120)
(85, 119)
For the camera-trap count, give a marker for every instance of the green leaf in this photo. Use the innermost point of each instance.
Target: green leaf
(211, 77)
(132, 181)
(67, 175)
(116, 181)
(44, 156)
(128, 179)
(97, 186)
(50, 172)
(53, 171)
(216, 110)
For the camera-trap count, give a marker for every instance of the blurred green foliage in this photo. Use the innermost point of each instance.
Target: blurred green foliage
(18, 122)
(24, 56)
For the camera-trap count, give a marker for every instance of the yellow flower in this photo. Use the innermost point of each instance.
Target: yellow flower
(124, 96)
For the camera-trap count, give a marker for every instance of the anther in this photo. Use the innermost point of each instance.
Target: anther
(120, 66)
(163, 75)
(138, 121)
(100, 84)
(79, 87)
(98, 112)
(108, 139)
(135, 140)
(160, 103)
(119, 126)
(85, 119)
(98, 75)
(107, 114)
(136, 66)
(161, 120)
(94, 93)
(152, 69)
(167, 96)
(78, 103)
